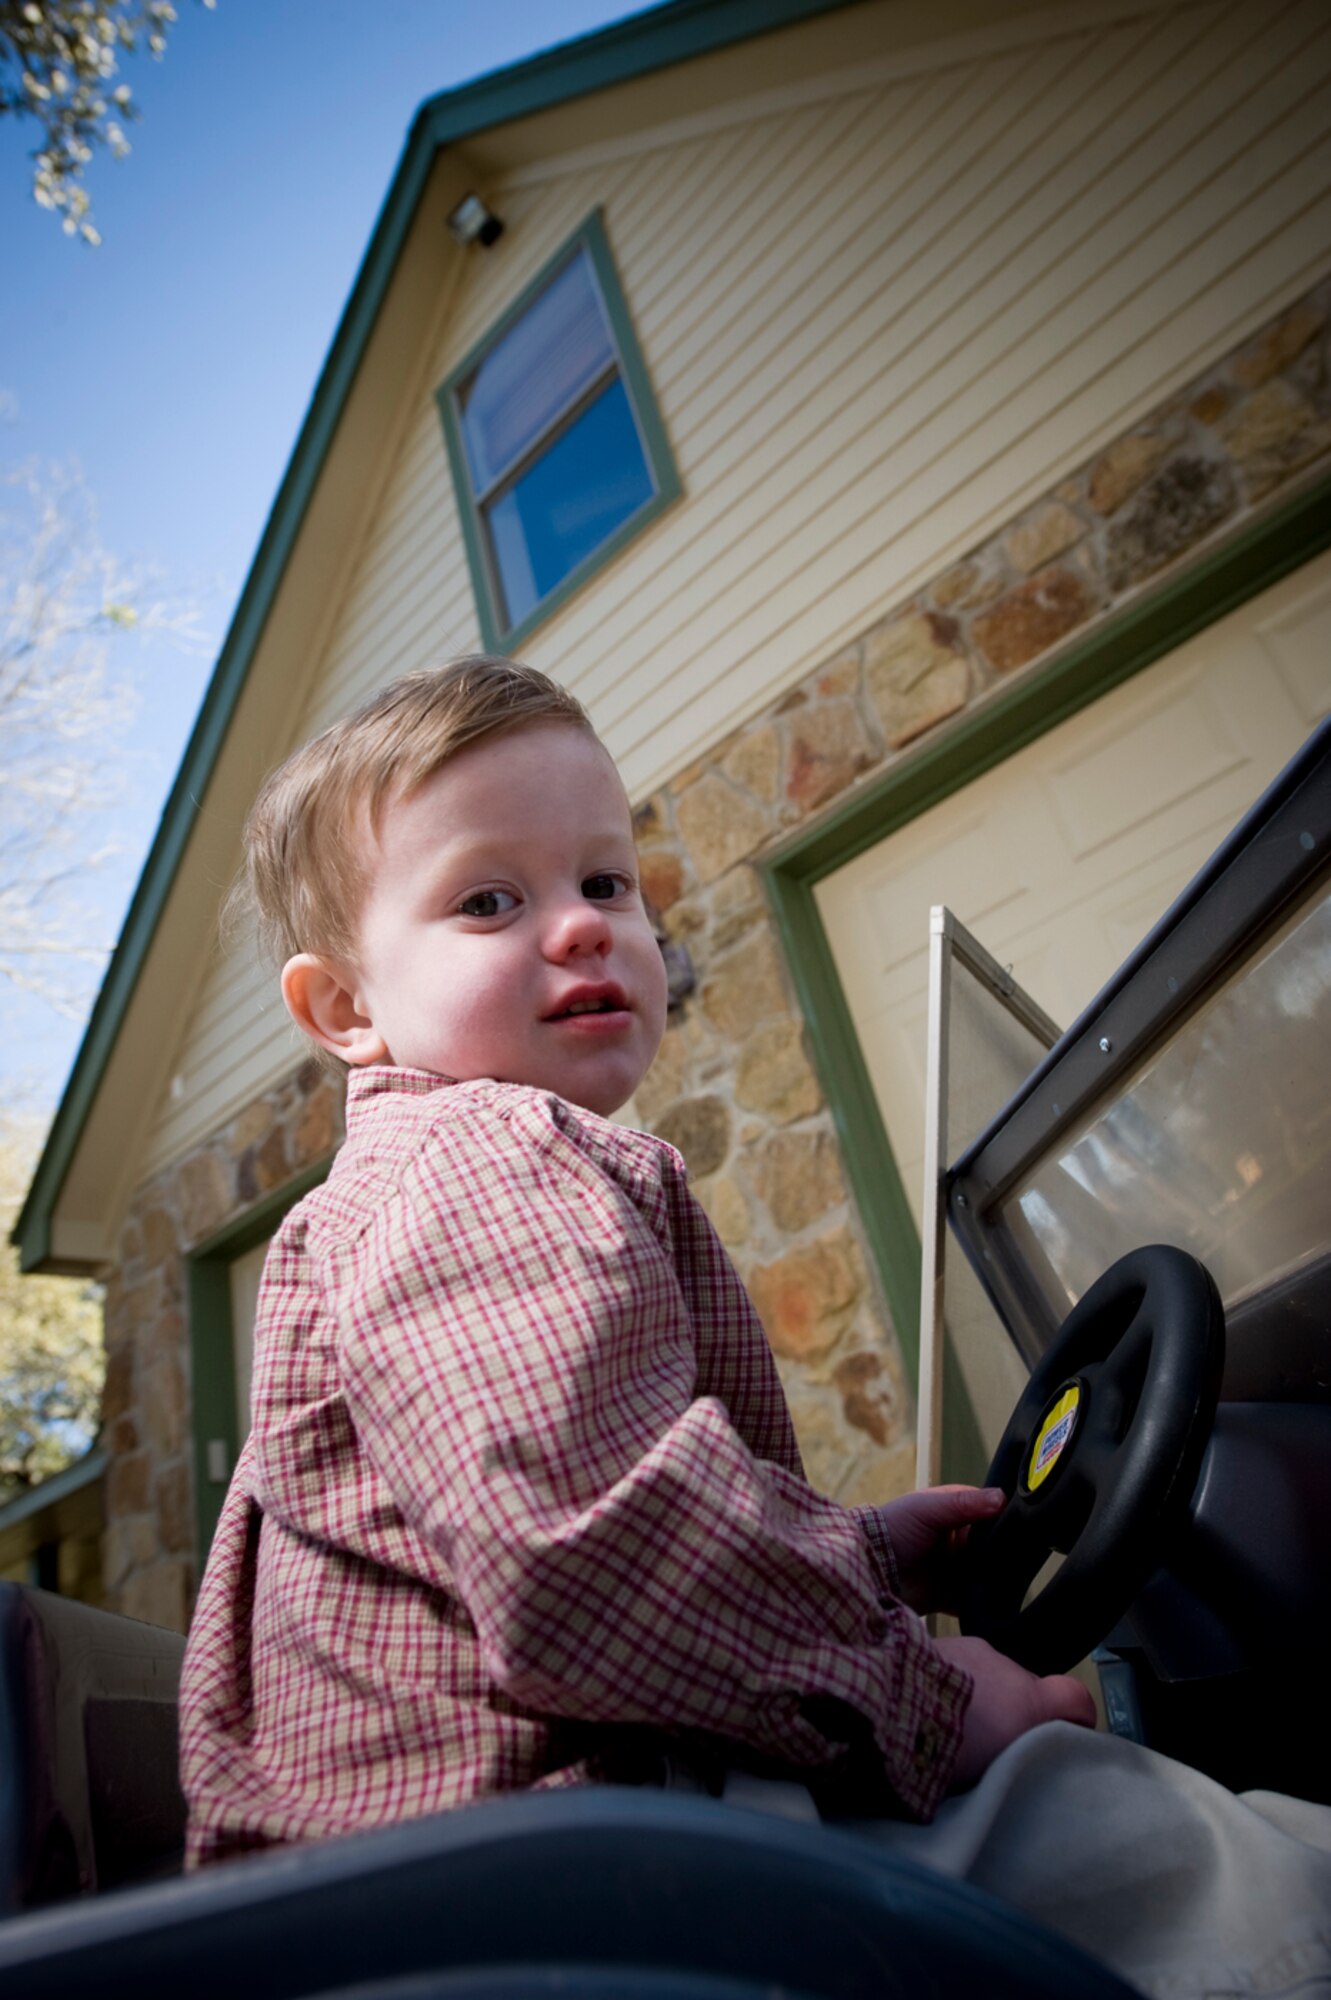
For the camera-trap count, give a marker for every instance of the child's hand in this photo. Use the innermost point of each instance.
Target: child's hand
(1006, 1703)
(927, 1529)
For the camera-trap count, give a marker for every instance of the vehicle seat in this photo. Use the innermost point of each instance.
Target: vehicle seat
(89, 1791)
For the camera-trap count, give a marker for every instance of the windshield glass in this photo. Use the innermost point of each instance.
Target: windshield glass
(1220, 1142)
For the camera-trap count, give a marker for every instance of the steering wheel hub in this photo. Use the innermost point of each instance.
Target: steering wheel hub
(1054, 1435)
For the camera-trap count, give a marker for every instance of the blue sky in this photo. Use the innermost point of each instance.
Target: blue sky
(175, 363)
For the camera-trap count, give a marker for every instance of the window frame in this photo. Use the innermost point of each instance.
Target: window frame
(631, 369)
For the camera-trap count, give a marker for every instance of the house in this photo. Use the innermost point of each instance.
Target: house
(908, 430)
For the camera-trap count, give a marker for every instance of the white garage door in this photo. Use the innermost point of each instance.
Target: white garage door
(1061, 858)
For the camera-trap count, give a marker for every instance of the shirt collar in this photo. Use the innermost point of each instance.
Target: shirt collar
(379, 1079)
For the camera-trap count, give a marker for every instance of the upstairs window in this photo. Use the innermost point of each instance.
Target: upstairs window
(558, 455)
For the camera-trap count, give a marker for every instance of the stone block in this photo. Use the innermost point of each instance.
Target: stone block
(879, 1476)
(316, 1131)
(311, 1076)
(127, 1545)
(1033, 618)
(684, 920)
(650, 820)
(661, 874)
(1183, 504)
(917, 674)
(798, 1175)
(1047, 533)
(827, 1445)
(955, 585)
(270, 1162)
(828, 747)
(160, 1242)
(159, 1594)
(726, 1209)
(871, 1395)
(699, 1128)
(754, 761)
(774, 1074)
(175, 1524)
(745, 988)
(806, 1298)
(667, 1079)
(129, 1485)
(205, 1194)
(1211, 405)
(720, 825)
(121, 1436)
(162, 1403)
(840, 676)
(1127, 465)
(737, 905)
(1271, 435)
(1266, 421)
(1276, 346)
(118, 1387)
(254, 1122)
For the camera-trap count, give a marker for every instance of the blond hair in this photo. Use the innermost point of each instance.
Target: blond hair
(306, 863)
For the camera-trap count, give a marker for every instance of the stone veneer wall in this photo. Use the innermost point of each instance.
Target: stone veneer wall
(733, 1086)
(149, 1562)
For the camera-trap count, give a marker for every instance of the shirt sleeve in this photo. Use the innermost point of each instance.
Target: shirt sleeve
(520, 1364)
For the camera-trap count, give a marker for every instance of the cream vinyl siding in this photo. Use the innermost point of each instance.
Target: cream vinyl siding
(877, 325)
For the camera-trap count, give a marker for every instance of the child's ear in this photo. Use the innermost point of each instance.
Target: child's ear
(322, 1004)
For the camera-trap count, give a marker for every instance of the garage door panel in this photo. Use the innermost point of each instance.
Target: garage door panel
(1129, 773)
(942, 855)
(1295, 641)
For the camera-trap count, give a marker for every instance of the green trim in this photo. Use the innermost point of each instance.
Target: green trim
(1160, 621)
(496, 637)
(654, 40)
(212, 1359)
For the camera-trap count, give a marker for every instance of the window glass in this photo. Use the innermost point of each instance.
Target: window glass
(534, 372)
(557, 451)
(569, 502)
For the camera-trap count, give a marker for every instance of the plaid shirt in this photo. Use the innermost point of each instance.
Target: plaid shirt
(522, 1493)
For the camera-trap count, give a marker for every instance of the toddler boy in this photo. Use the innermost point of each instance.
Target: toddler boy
(521, 1503)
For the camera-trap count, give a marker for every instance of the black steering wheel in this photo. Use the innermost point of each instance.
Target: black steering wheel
(1099, 1460)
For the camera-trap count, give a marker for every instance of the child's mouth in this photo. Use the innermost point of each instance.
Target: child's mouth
(606, 1000)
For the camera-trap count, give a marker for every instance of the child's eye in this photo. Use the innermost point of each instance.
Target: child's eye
(487, 903)
(603, 888)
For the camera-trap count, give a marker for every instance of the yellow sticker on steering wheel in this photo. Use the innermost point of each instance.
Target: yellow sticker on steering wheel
(1052, 1437)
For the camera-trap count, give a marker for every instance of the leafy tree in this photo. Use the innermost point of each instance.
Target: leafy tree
(58, 63)
(64, 602)
(52, 1361)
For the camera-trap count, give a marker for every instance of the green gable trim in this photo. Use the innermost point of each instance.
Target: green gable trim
(213, 1411)
(590, 235)
(659, 38)
(1160, 621)
(655, 39)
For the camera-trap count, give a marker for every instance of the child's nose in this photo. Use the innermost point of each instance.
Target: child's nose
(577, 926)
